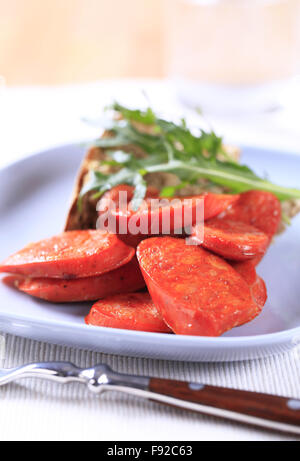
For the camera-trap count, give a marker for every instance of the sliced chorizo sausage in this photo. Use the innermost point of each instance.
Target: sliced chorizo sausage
(135, 311)
(120, 196)
(73, 254)
(117, 198)
(197, 292)
(125, 279)
(231, 239)
(257, 285)
(169, 216)
(259, 209)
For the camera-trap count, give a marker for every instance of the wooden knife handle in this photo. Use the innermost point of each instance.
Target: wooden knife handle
(265, 410)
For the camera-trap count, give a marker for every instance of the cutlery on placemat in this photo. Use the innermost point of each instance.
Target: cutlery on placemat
(264, 410)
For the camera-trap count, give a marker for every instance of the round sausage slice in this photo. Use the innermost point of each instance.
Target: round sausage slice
(231, 239)
(197, 292)
(170, 215)
(73, 254)
(125, 279)
(135, 311)
(259, 209)
(257, 285)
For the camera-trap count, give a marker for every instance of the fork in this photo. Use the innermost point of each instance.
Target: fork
(262, 410)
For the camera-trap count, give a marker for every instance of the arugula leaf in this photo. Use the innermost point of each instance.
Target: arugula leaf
(97, 181)
(101, 183)
(119, 156)
(228, 176)
(147, 118)
(116, 141)
(169, 191)
(172, 147)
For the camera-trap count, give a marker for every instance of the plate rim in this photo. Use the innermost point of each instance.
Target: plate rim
(210, 340)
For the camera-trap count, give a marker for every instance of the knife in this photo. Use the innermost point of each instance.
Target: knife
(262, 410)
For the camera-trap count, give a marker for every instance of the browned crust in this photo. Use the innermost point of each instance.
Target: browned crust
(76, 220)
(87, 218)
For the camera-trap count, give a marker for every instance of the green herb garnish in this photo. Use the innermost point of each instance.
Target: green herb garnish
(172, 148)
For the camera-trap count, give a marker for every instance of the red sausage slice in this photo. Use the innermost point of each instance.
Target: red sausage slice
(231, 239)
(178, 212)
(259, 292)
(257, 286)
(197, 292)
(132, 240)
(134, 311)
(215, 204)
(122, 280)
(259, 209)
(114, 196)
(73, 254)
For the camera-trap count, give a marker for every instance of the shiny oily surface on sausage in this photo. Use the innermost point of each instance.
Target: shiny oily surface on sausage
(125, 279)
(233, 239)
(257, 285)
(197, 292)
(258, 208)
(178, 211)
(131, 311)
(73, 254)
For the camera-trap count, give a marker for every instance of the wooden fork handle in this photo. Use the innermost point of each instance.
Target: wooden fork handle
(264, 410)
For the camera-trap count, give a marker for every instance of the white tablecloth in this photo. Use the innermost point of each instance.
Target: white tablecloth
(36, 118)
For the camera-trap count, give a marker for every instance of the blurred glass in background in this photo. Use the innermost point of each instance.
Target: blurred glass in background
(222, 55)
(232, 55)
(68, 41)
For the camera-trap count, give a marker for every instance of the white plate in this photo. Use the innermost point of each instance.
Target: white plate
(34, 197)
